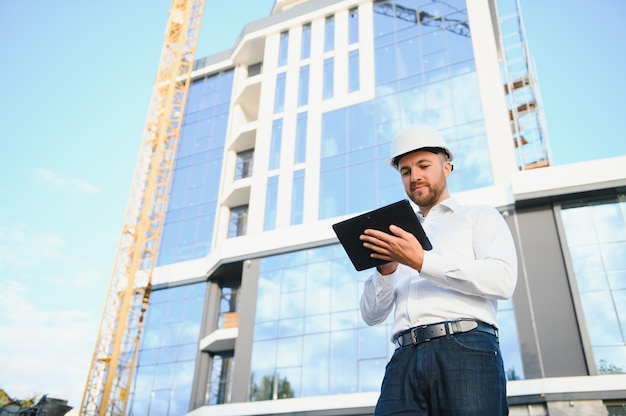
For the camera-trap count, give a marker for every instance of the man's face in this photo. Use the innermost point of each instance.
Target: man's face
(424, 177)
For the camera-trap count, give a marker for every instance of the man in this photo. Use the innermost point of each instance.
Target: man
(447, 360)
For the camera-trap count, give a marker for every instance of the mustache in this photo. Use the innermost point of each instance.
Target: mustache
(415, 184)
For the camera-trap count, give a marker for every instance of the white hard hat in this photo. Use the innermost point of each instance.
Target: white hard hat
(420, 137)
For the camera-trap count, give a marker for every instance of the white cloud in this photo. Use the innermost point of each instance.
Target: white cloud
(21, 247)
(44, 352)
(49, 315)
(63, 182)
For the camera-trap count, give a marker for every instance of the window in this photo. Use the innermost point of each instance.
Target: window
(301, 127)
(329, 34)
(277, 134)
(271, 200)
(305, 52)
(279, 98)
(353, 26)
(303, 89)
(238, 221)
(167, 355)
(307, 327)
(596, 238)
(220, 378)
(297, 197)
(282, 48)
(329, 82)
(228, 317)
(354, 82)
(255, 69)
(244, 164)
(188, 227)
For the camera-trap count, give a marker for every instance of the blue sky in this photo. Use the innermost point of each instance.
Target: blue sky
(76, 86)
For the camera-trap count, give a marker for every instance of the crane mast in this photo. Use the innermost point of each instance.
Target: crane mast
(115, 354)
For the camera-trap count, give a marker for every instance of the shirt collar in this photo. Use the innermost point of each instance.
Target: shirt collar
(451, 204)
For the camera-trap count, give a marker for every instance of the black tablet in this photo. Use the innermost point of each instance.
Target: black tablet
(399, 213)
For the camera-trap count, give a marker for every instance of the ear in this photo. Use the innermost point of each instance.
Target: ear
(447, 168)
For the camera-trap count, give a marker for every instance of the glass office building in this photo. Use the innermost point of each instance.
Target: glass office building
(254, 308)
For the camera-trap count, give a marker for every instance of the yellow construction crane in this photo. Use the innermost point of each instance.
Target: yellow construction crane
(115, 355)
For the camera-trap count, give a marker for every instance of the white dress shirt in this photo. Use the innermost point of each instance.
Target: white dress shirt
(473, 263)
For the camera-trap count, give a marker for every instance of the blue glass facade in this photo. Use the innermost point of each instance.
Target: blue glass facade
(425, 73)
(192, 203)
(167, 354)
(309, 339)
(596, 238)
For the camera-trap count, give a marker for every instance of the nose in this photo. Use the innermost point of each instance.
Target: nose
(415, 175)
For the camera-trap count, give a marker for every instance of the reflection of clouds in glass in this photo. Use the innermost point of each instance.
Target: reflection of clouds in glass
(318, 276)
(317, 323)
(614, 255)
(187, 352)
(268, 292)
(620, 307)
(343, 267)
(142, 385)
(371, 374)
(292, 305)
(190, 331)
(293, 279)
(163, 376)
(263, 360)
(317, 301)
(344, 295)
(184, 374)
(617, 279)
(586, 259)
(588, 282)
(509, 343)
(344, 320)
(373, 341)
(578, 229)
(451, 105)
(609, 223)
(265, 330)
(289, 352)
(170, 333)
(315, 365)
(329, 358)
(290, 327)
(343, 360)
(295, 258)
(601, 319)
(466, 98)
(474, 165)
(596, 236)
(159, 400)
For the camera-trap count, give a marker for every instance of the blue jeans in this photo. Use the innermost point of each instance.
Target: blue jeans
(455, 375)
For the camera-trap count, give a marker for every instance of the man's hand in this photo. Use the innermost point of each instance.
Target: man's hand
(398, 247)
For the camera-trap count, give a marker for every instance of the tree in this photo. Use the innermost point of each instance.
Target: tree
(604, 368)
(268, 385)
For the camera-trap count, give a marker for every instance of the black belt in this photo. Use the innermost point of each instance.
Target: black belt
(425, 333)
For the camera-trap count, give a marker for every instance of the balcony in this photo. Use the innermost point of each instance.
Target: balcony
(222, 339)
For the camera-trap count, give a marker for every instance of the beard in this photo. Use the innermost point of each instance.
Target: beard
(428, 195)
